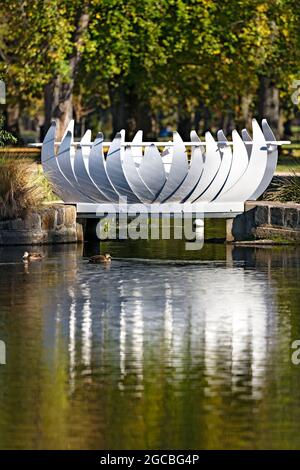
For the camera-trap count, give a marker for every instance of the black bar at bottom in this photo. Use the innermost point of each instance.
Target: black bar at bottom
(139, 458)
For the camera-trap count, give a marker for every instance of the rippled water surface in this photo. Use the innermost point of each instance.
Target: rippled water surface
(162, 349)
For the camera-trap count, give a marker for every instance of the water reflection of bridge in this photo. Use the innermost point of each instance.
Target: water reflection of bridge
(217, 318)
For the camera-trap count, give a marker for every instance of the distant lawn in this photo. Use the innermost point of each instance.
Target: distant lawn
(289, 159)
(288, 166)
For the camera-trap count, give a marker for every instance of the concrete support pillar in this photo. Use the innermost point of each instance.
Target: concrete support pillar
(80, 232)
(229, 233)
(199, 229)
(229, 255)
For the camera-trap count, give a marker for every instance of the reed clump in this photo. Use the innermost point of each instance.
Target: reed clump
(285, 189)
(23, 188)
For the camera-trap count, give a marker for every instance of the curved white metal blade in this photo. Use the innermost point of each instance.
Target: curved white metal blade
(97, 170)
(152, 170)
(196, 138)
(194, 173)
(217, 184)
(65, 165)
(271, 162)
(252, 177)
(115, 171)
(137, 152)
(69, 128)
(48, 150)
(178, 172)
(134, 179)
(67, 186)
(64, 158)
(211, 167)
(51, 168)
(167, 158)
(246, 138)
(238, 166)
(81, 170)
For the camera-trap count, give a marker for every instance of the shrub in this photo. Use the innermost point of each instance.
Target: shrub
(286, 189)
(47, 187)
(5, 137)
(22, 187)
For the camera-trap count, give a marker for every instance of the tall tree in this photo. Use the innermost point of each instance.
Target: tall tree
(58, 94)
(34, 40)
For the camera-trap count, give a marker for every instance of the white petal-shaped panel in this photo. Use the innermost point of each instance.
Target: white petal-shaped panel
(217, 184)
(64, 158)
(48, 150)
(152, 170)
(212, 164)
(246, 138)
(178, 171)
(97, 170)
(134, 179)
(115, 171)
(250, 180)
(271, 162)
(167, 158)
(65, 189)
(195, 138)
(81, 170)
(51, 169)
(238, 166)
(192, 179)
(137, 152)
(70, 128)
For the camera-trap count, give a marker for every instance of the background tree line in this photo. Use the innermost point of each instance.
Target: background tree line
(149, 64)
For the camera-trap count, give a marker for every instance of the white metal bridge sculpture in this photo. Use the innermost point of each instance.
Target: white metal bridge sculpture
(216, 180)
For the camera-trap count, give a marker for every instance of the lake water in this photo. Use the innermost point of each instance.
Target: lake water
(164, 348)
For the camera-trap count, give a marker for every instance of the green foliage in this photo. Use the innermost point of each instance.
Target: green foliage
(35, 38)
(285, 190)
(168, 53)
(5, 137)
(195, 52)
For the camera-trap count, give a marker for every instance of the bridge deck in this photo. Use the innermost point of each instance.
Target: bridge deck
(211, 210)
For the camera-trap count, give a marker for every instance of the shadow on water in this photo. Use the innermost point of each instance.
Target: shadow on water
(169, 354)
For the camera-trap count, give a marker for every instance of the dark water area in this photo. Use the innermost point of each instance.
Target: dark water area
(164, 348)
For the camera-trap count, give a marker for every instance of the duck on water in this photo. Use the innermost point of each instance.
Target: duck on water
(97, 259)
(28, 257)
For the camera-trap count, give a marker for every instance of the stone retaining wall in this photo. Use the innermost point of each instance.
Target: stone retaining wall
(57, 223)
(266, 220)
(51, 224)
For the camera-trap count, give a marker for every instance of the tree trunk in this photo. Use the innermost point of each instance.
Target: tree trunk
(245, 114)
(202, 119)
(63, 113)
(184, 121)
(58, 106)
(118, 109)
(227, 122)
(146, 121)
(58, 96)
(12, 115)
(131, 113)
(287, 129)
(268, 106)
